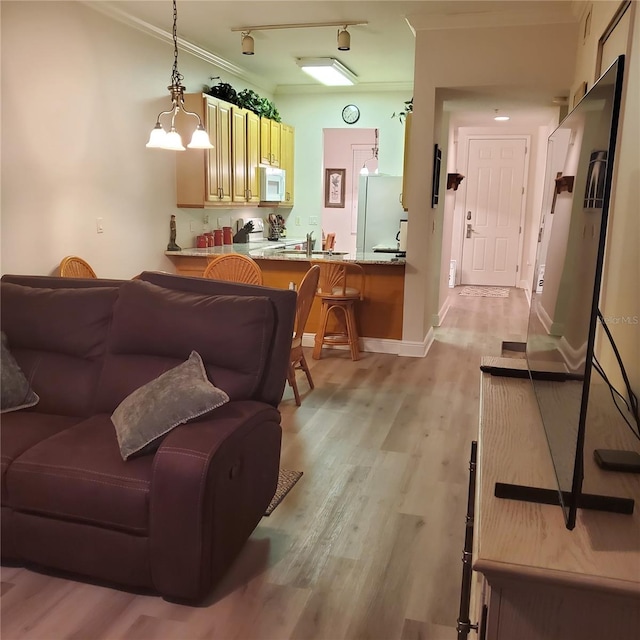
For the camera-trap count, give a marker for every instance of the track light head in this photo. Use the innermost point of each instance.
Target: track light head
(344, 40)
(247, 43)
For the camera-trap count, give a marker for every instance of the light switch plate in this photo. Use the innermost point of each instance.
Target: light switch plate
(313, 220)
(99, 225)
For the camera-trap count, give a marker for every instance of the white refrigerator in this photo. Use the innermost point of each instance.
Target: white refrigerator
(379, 212)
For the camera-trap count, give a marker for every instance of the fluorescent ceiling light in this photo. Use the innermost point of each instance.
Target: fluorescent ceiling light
(502, 118)
(328, 71)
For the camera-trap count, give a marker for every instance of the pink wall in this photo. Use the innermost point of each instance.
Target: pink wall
(344, 149)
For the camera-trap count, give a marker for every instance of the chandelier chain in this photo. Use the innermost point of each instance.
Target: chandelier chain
(176, 76)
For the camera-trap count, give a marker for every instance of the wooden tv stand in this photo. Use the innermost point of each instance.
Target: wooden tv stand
(535, 579)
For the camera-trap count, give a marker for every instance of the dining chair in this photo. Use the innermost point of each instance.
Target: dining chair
(75, 267)
(338, 297)
(234, 267)
(306, 293)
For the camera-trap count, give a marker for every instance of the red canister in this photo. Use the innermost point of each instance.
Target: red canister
(217, 237)
(201, 242)
(227, 235)
(209, 236)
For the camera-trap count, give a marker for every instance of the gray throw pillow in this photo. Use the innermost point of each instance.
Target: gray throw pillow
(15, 391)
(173, 398)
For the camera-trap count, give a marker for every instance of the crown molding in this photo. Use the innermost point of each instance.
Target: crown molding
(183, 45)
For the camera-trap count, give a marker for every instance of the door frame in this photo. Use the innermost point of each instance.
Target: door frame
(459, 217)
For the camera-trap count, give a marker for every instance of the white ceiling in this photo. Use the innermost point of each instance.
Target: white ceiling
(382, 52)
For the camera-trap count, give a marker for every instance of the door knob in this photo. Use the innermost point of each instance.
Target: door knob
(469, 230)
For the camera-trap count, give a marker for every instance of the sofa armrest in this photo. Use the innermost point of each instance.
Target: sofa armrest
(211, 483)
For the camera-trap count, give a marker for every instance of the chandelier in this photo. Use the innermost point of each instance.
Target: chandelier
(374, 156)
(160, 138)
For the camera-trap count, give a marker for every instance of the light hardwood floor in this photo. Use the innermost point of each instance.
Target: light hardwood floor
(366, 546)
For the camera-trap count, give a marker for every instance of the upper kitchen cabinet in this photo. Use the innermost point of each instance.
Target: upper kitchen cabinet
(245, 156)
(286, 162)
(270, 131)
(204, 176)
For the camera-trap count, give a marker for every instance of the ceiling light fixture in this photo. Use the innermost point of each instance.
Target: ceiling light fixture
(374, 156)
(344, 39)
(500, 118)
(247, 43)
(159, 138)
(328, 71)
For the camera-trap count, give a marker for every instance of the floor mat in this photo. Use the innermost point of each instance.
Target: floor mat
(286, 482)
(485, 292)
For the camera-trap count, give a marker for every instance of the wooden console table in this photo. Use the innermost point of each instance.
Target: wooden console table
(536, 579)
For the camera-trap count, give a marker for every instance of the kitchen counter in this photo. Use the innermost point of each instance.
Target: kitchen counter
(269, 250)
(379, 314)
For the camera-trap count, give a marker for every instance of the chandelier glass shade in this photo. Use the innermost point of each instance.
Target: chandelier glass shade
(159, 137)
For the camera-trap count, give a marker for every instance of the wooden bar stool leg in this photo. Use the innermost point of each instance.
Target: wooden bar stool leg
(322, 328)
(352, 332)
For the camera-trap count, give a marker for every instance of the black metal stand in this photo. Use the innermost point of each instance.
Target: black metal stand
(464, 624)
(551, 496)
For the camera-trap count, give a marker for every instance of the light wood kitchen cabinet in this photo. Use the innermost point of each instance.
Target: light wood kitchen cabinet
(405, 170)
(537, 579)
(270, 131)
(245, 128)
(287, 162)
(204, 176)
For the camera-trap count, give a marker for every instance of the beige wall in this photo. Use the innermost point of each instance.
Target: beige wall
(620, 299)
(467, 58)
(80, 93)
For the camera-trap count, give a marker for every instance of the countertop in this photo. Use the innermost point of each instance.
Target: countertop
(269, 250)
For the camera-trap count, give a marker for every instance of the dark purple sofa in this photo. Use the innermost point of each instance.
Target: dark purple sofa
(170, 521)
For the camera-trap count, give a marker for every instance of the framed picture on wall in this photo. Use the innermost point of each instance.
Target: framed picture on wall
(334, 188)
(435, 187)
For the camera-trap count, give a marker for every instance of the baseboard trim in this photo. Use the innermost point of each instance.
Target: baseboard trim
(442, 314)
(382, 345)
(417, 349)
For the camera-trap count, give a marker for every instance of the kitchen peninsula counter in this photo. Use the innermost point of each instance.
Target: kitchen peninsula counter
(379, 315)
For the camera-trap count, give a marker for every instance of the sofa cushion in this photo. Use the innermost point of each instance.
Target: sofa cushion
(78, 475)
(284, 306)
(155, 329)
(58, 339)
(21, 430)
(150, 412)
(15, 391)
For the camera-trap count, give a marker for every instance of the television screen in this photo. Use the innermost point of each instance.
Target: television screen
(564, 304)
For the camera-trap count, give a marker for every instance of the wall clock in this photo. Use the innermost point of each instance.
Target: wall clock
(351, 114)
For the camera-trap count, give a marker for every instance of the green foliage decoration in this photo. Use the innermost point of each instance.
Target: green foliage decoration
(246, 99)
(408, 108)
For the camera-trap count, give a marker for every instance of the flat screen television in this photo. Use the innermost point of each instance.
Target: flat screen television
(566, 290)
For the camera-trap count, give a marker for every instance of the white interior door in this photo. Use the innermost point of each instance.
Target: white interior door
(493, 211)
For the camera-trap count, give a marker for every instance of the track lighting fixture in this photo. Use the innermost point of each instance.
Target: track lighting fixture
(247, 43)
(159, 138)
(344, 39)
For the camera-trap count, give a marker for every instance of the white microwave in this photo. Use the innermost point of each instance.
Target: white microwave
(272, 184)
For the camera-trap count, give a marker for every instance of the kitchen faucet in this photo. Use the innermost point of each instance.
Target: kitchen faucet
(309, 244)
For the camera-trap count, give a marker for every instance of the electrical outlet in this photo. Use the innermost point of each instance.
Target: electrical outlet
(313, 221)
(192, 226)
(221, 223)
(99, 226)
(297, 221)
(205, 218)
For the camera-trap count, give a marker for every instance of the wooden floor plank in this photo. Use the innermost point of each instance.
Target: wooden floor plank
(366, 545)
